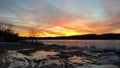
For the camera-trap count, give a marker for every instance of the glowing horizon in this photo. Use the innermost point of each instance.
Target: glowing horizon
(51, 18)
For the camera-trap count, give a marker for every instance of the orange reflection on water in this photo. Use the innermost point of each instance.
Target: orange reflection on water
(43, 54)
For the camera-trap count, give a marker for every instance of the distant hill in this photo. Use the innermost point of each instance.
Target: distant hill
(87, 36)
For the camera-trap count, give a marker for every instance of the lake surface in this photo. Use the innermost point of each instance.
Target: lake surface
(81, 43)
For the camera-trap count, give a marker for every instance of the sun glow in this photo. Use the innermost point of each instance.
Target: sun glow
(24, 34)
(74, 26)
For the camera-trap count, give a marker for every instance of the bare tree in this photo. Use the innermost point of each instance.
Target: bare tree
(32, 34)
(5, 26)
(1, 25)
(6, 32)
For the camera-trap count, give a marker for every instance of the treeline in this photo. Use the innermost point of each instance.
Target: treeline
(109, 36)
(7, 34)
(84, 37)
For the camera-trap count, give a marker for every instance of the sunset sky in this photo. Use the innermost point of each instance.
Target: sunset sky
(61, 17)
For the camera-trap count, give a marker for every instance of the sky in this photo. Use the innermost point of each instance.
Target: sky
(51, 18)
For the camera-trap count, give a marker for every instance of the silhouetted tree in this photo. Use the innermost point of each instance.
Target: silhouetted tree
(6, 32)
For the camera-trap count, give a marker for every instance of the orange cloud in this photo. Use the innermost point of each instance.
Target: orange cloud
(66, 26)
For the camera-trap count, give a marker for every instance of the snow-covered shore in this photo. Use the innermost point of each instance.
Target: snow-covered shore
(54, 56)
(13, 59)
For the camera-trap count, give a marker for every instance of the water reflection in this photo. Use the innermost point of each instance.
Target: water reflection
(43, 54)
(78, 59)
